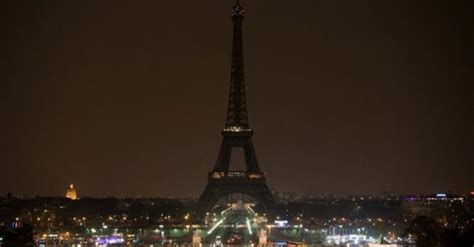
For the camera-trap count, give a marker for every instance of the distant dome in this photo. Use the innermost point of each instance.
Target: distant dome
(71, 193)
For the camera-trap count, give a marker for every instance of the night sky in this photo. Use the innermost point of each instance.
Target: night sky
(127, 98)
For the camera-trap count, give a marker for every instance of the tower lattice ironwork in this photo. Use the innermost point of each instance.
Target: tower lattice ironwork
(236, 134)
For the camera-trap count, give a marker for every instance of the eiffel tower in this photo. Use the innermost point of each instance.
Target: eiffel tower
(237, 134)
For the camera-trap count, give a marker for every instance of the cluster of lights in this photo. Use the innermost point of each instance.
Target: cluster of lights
(236, 129)
(351, 238)
(218, 175)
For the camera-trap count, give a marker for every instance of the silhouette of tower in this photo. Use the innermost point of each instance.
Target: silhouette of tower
(236, 134)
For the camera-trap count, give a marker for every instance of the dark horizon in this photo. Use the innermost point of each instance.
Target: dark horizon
(129, 99)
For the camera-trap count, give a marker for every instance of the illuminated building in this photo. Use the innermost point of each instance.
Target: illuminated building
(71, 193)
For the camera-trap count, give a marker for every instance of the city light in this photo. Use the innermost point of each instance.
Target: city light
(215, 226)
(248, 226)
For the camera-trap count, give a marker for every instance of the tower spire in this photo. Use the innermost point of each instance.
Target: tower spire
(237, 116)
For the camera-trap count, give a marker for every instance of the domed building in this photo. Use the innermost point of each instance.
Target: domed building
(71, 193)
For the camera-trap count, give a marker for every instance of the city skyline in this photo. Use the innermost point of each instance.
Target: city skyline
(133, 106)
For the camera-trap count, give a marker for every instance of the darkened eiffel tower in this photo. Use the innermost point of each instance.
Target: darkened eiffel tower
(236, 134)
